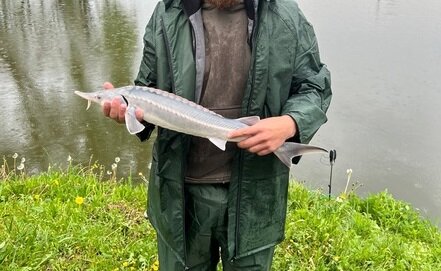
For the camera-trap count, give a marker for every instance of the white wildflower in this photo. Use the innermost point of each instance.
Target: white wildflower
(114, 166)
(117, 159)
(69, 158)
(15, 155)
(23, 160)
(21, 166)
(349, 173)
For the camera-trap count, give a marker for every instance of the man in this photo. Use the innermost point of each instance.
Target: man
(238, 58)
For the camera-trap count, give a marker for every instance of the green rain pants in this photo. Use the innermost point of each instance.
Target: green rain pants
(206, 234)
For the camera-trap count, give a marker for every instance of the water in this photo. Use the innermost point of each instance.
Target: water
(384, 57)
(384, 120)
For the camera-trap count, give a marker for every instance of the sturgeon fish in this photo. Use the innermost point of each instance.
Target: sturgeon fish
(173, 112)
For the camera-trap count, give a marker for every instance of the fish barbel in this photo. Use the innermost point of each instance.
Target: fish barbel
(173, 112)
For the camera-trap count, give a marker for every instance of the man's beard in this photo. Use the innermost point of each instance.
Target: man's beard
(223, 4)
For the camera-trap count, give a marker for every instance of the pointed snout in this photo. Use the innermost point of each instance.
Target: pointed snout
(90, 97)
(87, 96)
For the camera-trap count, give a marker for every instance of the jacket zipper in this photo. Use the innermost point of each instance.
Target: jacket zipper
(241, 154)
(173, 85)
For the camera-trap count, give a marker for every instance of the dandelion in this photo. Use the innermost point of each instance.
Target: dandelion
(20, 167)
(349, 174)
(125, 264)
(117, 159)
(14, 156)
(155, 266)
(79, 200)
(37, 197)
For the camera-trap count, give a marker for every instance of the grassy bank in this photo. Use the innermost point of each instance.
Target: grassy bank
(75, 219)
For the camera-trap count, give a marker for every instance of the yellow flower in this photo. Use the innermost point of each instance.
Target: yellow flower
(56, 182)
(79, 200)
(155, 266)
(37, 197)
(125, 264)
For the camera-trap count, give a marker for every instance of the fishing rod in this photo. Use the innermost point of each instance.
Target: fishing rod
(332, 157)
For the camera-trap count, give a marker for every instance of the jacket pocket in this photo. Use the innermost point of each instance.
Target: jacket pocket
(261, 214)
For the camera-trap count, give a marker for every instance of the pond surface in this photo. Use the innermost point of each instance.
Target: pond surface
(384, 56)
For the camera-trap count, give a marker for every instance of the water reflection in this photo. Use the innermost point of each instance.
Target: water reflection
(384, 60)
(47, 50)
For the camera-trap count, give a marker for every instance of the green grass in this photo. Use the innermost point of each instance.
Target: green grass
(75, 219)
(376, 233)
(46, 226)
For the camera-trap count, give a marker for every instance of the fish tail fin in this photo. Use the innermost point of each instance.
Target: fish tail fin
(289, 150)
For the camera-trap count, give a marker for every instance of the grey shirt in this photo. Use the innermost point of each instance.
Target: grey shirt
(226, 69)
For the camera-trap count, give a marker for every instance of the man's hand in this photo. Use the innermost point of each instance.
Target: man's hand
(116, 109)
(267, 135)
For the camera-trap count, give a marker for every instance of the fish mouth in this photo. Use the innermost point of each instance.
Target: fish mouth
(86, 96)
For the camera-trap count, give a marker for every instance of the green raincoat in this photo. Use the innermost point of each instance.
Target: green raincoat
(286, 77)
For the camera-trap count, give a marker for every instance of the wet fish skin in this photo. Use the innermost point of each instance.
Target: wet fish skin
(176, 113)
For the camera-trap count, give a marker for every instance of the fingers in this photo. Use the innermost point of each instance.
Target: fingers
(139, 114)
(107, 85)
(115, 110)
(260, 143)
(266, 135)
(243, 132)
(106, 108)
(257, 139)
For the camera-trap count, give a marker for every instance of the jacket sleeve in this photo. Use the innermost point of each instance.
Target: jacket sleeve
(310, 93)
(147, 73)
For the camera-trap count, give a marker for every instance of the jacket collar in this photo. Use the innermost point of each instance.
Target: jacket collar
(192, 6)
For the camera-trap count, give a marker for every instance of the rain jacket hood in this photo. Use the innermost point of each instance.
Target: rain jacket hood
(286, 77)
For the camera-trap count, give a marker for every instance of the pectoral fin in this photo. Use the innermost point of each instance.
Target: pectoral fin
(132, 123)
(220, 143)
(249, 120)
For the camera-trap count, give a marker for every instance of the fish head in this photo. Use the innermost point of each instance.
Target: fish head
(98, 97)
